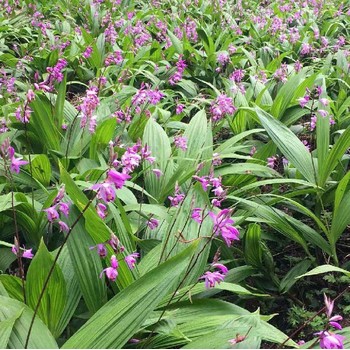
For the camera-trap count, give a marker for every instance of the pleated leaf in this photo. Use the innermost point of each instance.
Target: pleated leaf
(116, 322)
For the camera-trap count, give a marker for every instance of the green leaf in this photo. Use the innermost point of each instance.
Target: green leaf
(13, 286)
(54, 299)
(325, 269)
(86, 264)
(42, 169)
(40, 338)
(335, 156)
(116, 322)
(177, 44)
(158, 142)
(43, 124)
(73, 290)
(6, 329)
(252, 248)
(289, 144)
(291, 277)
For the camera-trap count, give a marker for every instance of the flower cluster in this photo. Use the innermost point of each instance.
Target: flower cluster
(111, 272)
(180, 142)
(88, 107)
(55, 75)
(180, 68)
(53, 212)
(146, 95)
(221, 107)
(215, 182)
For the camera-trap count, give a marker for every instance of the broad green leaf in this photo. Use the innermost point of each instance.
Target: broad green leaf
(252, 248)
(54, 299)
(289, 144)
(13, 286)
(6, 328)
(42, 169)
(40, 338)
(86, 264)
(73, 290)
(158, 142)
(116, 322)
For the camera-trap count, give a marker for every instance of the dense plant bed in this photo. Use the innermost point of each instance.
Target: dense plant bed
(174, 174)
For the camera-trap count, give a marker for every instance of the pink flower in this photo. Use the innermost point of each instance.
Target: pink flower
(196, 215)
(131, 259)
(64, 208)
(221, 107)
(101, 210)
(221, 267)
(118, 179)
(28, 254)
(52, 213)
(329, 340)
(223, 226)
(204, 180)
(180, 142)
(304, 100)
(106, 191)
(15, 162)
(157, 172)
(153, 223)
(101, 250)
(63, 226)
(211, 278)
(179, 108)
(111, 272)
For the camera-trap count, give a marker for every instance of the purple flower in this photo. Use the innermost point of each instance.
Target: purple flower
(111, 272)
(153, 223)
(118, 179)
(304, 100)
(28, 254)
(87, 53)
(221, 267)
(131, 259)
(329, 340)
(106, 191)
(179, 108)
(211, 278)
(64, 208)
(101, 210)
(197, 215)
(221, 107)
(101, 250)
(271, 162)
(223, 226)
(52, 213)
(157, 172)
(180, 142)
(204, 180)
(63, 226)
(15, 162)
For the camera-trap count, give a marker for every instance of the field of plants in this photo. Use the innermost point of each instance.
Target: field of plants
(175, 174)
